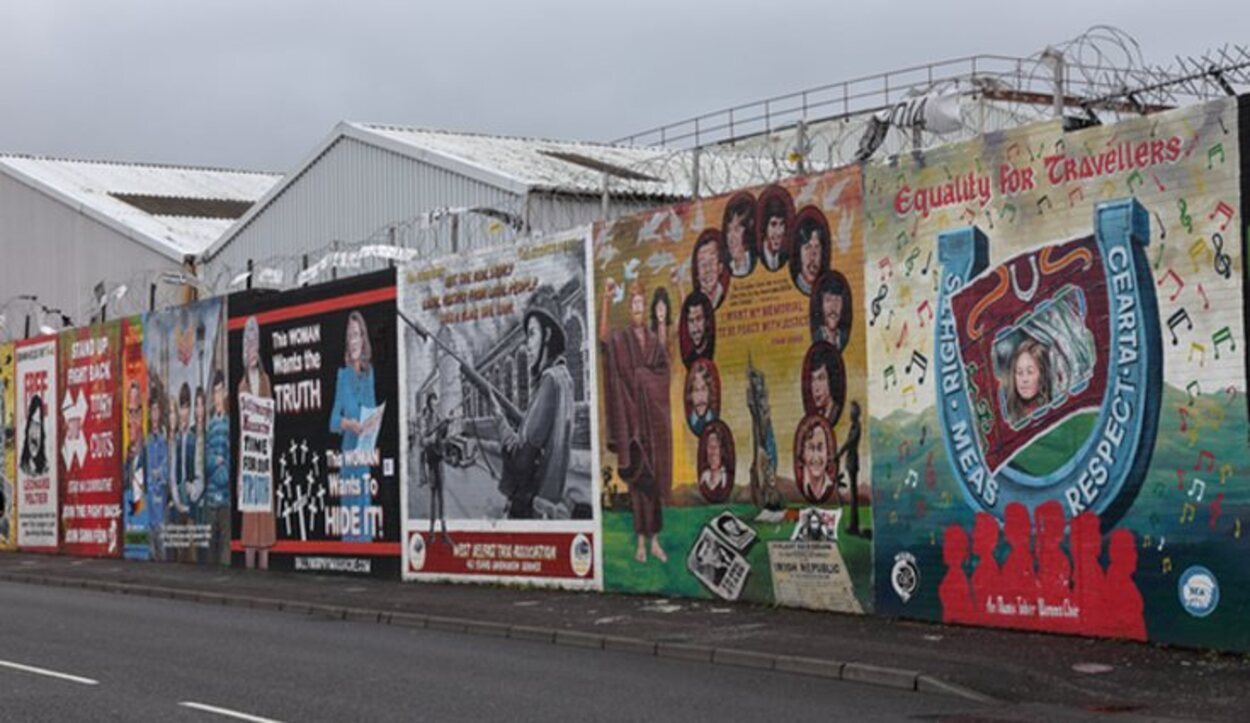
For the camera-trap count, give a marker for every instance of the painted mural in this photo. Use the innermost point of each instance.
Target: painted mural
(501, 480)
(313, 394)
(137, 541)
(186, 510)
(731, 368)
(8, 458)
(1057, 339)
(36, 448)
(90, 443)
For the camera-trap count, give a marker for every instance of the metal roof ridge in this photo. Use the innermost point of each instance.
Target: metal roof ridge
(134, 164)
(499, 136)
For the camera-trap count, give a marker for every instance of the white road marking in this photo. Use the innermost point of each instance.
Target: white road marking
(49, 673)
(226, 712)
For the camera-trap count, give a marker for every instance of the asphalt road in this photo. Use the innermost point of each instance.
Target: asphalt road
(148, 657)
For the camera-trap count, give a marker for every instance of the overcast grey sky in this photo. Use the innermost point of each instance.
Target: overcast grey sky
(258, 83)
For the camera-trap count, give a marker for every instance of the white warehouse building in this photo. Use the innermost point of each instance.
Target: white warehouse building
(74, 232)
(437, 192)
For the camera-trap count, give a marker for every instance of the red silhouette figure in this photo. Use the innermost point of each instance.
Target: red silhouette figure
(1089, 581)
(1019, 581)
(1054, 570)
(986, 577)
(1126, 610)
(955, 592)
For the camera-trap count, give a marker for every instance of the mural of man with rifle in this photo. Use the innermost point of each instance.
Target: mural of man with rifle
(433, 439)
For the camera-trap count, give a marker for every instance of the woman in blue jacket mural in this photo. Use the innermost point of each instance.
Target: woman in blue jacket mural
(354, 398)
(157, 476)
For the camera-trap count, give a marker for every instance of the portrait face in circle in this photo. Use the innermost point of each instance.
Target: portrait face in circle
(774, 222)
(824, 382)
(716, 462)
(811, 241)
(702, 394)
(709, 272)
(696, 329)
(815, 459)
(738, 227)
(831, 310)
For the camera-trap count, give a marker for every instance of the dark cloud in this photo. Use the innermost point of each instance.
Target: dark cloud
(257, 84)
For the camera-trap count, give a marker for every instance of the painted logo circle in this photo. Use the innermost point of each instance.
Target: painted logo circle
(1199, 591)
(581, 555)
(416, 552)
(905, 576)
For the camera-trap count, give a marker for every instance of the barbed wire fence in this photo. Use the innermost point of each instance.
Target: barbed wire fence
(1100, 76)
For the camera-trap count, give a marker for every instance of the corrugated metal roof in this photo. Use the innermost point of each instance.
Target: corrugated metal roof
(561, 166)
(94, 187)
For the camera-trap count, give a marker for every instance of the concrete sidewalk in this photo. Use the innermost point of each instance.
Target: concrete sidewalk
(1015, 668)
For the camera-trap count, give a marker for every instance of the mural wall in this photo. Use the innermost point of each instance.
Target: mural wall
(36, 445)
(138, 540)
(315, 389)
(733, 407)
(8, 460)
(1059, 392)
(185, 510)
(501, 480)
(90, 442)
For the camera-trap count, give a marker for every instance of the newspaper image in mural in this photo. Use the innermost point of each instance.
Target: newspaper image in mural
(8, 459)
(731, 367)
(36, 420)
(313, 382)
(1060, 399)
(90, 444)
(499, 462)
(187, 460)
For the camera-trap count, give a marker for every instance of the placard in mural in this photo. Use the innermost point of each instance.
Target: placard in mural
(36, 445)
(90, 443)
(501, 479)
(134, 442)
(314, 391)
(731, 365)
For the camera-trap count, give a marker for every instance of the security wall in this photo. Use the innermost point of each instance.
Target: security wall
(1000, 383)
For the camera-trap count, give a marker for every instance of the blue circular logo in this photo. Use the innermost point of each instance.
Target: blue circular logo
(1199, 591)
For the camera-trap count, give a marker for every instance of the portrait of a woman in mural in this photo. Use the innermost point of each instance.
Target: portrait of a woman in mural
(738, 229)
(702, 395)
(260, 530)
(810, 257)
(34, 459)
(1029, 381)
(696, 330)
(774, 221)
(708, 268)
(824, 382)
(716, 462)
(815, 463)
(831, 310)
(638, 430)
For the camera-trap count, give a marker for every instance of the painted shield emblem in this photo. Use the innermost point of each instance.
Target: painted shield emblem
(1061, 340)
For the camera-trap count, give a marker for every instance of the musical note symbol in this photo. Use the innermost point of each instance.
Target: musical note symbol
(932, 538)
(1194, 389)
(1013, 151)
(893, 517)
(1237, 530)
(1221, 336)
(913, 478)
(1180, 283)
(921, 509)
(1043, 200)
(1223, 262)
(1145, 542)
(969, 215)
(1206, 303)
(1159, 256)
(1108, 189)
(1197, 489)
(1158, 183)
(1188, 512)
(910, 389)
(887, 268)
(1163, 541)
(1008, 207)
(901, 240)
(1199, 251)
(891, 376)
(1074, 194)
(921, 362)
(910, 261)
(1159, 224)
(946, 500)
(989, 218)
(1222, 209)
(1167, 564)
(1178, 317)
(1180, 479)
(1226, 471)
(1217, 416)
(882, 292)
(921, 309)
(889, 319)
(901, 337)
(928, 261)
(1212, 152)
(1183, 413)
(1215, 509)
(1207, 455)
(1186, 220)
(1201, 351)
(1135, 177)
